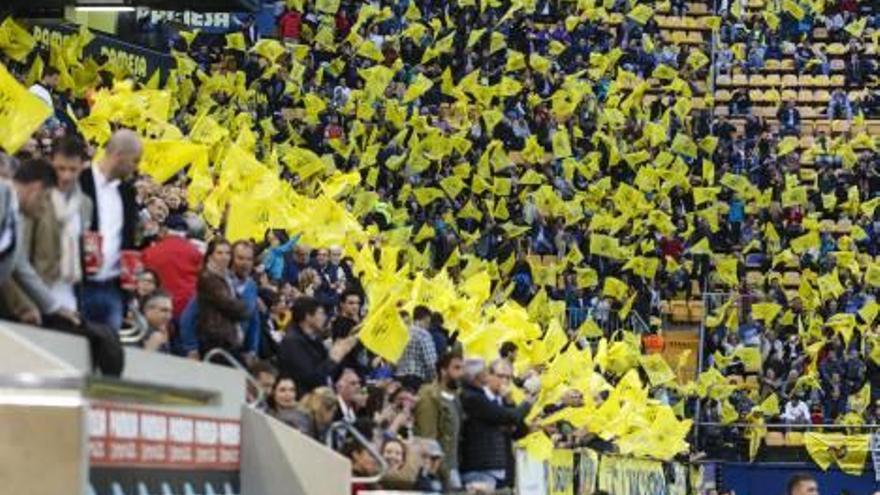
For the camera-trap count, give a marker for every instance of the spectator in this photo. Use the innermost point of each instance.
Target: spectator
(177, 261)
(417, 365)
(398, 476)
(265, 374)
(789, 119)
(247, 292)
(802, 484)
(428, 479)
(282, 405)
(23, 197)
(796, 411)
(302, 354)
(157, 309)
(490, 422)
(114, 220)
(220, 311)
(321, 406)
(273, 257)
(362, 465)
(290, 25)
(46, 87)
(350, 395)
(348, 314)
(73, 211)
(839, 106)
(439, 415)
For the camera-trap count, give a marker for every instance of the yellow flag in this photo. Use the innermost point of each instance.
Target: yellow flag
(615, 288)
(641, 13)
(417, 88)
(162, 159)
(657, 369)
(793, 8)
(685, 145)
(327, 6)
(856, 28)
(847, 451)
(537, 445)
(235, 41)
(15, 41)
(384, 331)
(561, 144)
(21, 113)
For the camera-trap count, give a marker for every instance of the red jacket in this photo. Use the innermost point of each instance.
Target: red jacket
(290, 25)
(177, 262)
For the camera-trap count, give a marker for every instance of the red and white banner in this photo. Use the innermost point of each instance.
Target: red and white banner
(133, 437)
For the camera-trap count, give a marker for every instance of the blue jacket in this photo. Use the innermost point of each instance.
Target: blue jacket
(188, 339)
(274, 261)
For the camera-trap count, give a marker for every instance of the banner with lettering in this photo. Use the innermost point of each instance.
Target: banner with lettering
(625, 476)
(587, 470)
(140, 62)
(531, 475)
(562, 472)
(678, 479)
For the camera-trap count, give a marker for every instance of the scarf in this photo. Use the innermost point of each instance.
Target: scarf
(67, 210)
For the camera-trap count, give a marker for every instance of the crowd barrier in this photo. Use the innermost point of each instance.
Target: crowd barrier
(584, 471)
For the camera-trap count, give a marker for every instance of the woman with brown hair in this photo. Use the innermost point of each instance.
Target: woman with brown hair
(321, 406)
(219, 308)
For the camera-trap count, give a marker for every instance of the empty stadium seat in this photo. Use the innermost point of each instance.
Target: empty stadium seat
(822, 96)
(794, 439)
(790, 81)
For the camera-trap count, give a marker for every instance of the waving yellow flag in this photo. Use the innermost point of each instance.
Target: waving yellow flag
(21, 113)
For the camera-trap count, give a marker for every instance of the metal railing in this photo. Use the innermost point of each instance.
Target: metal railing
(252, 382)
(351, 430)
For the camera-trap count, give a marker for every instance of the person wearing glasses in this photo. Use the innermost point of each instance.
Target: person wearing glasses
(491, 422)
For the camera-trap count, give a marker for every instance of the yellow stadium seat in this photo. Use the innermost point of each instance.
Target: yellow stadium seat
(722, 111)
(790, 81)
(791, 279)
(723, 80)
(787, 64)
(805, 80)
(695, 310)
(698, 8)
(754, 278)
(772, 65)
(805, 96)
(821, 80)
(843, 226)
(838, 64)
(679, 310)
(756, 95)
(756, 80)
(806, 141)
(826, 225)
(837, 80)
(820, 33)
(789, 95)
(794, 439)
(839, 126)
(772, 80)
(822, 96)
(836, 49)
(695, 37)
(809, 113)
(774, 439)
(740, 80)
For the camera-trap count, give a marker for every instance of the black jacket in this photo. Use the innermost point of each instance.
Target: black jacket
(488, 430)
(129, 207)
(306, 360)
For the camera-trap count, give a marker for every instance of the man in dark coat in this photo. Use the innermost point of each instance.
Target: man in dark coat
(303, 356)
(490, 423)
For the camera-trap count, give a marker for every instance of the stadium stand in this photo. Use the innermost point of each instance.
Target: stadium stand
(431, 231)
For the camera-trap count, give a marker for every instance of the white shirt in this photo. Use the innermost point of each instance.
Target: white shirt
(7, 235)
(110, 221)
(42, 93)
(63, 291)
(796, 411)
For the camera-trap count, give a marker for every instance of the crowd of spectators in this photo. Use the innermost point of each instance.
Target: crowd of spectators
(151, 268)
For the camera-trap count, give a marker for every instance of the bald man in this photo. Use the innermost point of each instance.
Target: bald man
(114, 220)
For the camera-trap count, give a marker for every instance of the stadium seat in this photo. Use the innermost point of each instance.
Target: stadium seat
(839, 126)
(723, 80)
(821, 81)
(695, 310)
(756, 80)
(772, 80)
(836, 49)
(789, 81)
(740, 80)
(794, 439)
(805, 96)
(678, 310)
(822, 96)
(772, 65)
(838, 65)
(791, 279)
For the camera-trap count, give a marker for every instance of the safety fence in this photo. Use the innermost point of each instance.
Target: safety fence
(586, 471)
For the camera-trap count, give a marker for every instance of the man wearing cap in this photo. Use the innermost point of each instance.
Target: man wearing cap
(428, 479)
